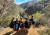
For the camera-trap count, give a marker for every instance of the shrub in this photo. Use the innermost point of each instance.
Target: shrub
(43, 21)
(47, 32)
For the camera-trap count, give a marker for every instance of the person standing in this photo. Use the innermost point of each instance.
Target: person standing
(32, 20)
(21, 22)
(12, 22)
(16, 25)
(26, 24)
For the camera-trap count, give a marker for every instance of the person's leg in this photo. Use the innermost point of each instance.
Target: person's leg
(30, 25)
(18, 30)
(25, 29)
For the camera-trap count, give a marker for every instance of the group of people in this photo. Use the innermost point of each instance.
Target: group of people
(22, 24)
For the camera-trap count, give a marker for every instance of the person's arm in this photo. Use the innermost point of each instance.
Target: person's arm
(14, 22)
(33, 19)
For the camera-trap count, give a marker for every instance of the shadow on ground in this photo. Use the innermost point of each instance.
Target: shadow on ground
(8, 33)
(21, 32)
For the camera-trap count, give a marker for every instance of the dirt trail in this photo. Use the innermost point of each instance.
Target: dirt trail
(9, 31)
(32, 31)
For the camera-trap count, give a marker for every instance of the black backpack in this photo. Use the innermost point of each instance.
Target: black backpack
(11, 25)
(27, 24)
(32, 21)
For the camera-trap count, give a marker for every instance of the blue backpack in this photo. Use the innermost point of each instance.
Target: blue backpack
(32, 21)
(16, 27)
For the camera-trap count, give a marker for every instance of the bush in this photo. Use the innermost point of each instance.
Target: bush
(47, 32)
(5, 21)
(43, 21)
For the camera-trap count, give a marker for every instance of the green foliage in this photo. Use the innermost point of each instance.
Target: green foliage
(47, 32)
(5, 22)
(37, 15)
(45, 19)
(8, 10)
(42, 33)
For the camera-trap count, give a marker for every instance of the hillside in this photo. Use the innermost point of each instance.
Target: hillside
(27, 4)
(45, 19)
(40, 11)
(37, 7)
(41, 30)
(9, 8)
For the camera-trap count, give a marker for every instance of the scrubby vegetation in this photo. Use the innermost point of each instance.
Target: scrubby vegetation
(8, 9)
(37, 7)
(45, 32)
(45, 19)
(41, 15)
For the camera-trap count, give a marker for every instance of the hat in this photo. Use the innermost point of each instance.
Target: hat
(13, 17)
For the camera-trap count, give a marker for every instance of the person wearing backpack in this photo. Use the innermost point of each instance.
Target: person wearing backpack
(16, 25)
(26, 24)
(21, 22)
(12, 23)
(27, 17)
(28, 20)
(32, 20)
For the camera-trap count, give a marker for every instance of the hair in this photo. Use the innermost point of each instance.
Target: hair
(20, 17)
(32, 16)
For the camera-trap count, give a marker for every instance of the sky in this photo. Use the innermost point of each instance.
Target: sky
(20, 1)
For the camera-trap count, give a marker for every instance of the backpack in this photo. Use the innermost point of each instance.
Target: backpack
(27, 24)
(16, 27)
(32, 21)
(11, 25)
